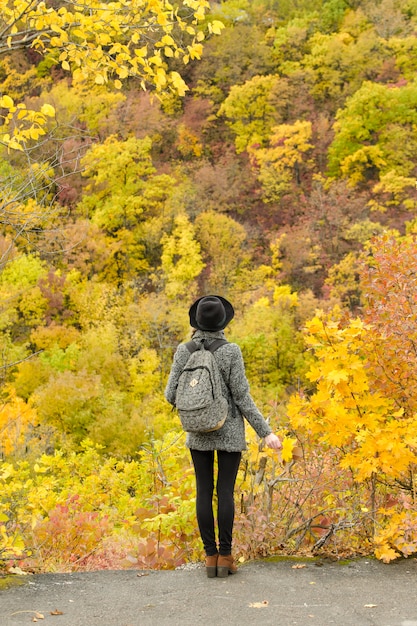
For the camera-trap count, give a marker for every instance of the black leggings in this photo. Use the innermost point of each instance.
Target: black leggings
(228, 465)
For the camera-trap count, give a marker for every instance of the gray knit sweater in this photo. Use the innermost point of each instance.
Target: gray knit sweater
(231, 437)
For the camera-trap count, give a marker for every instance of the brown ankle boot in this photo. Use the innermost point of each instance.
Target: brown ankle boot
(225, 566)
(211, 565)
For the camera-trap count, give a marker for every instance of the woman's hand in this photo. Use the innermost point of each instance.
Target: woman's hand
(274, 442)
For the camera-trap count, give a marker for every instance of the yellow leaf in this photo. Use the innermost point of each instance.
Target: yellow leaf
(6, 102)
(160, 77)
(195, 51)
(155, 59)
(122, 72)
(14, 145)
(48, 109)
(167, 40)
(103, 39)
(78, 33)
(168, 52)
(386, 554)
(65, 65)
(34, 133)
(217, 27)
(117, 84)
(288, 444)
(337, 375)
(141, 52)
(178, 83)
(162, 19)
(99, 79)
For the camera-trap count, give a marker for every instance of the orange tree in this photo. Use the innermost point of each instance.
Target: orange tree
(362, 408)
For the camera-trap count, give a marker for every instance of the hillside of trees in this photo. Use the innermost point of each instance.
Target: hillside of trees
(271, 158)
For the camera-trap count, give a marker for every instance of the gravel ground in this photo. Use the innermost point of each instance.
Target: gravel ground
(287, 593)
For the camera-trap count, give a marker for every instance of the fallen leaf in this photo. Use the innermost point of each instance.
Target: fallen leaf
(17, 570)
(259, 605)
(129, 558)
(370, 606)
(299, 566)
(56, 612)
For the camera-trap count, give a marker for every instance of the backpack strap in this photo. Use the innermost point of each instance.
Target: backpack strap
(212, 347)
(193, 346)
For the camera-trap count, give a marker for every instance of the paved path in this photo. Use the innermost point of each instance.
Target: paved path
(363, 593)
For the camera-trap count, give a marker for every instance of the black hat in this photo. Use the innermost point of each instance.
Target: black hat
(211, 313)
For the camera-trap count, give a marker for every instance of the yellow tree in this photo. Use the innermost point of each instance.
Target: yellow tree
(100, 45)
(129, 201)
(100, 41)
(350, 419)
(181, 258)
(252, 109)
(281, 162)
(375, 140)
(17, 425)
(222, 242)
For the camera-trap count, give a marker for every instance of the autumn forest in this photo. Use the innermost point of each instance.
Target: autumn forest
(150, 153)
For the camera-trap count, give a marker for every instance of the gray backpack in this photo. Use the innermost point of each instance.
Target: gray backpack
(199, 399)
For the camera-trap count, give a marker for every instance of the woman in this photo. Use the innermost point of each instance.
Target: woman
(209, 316)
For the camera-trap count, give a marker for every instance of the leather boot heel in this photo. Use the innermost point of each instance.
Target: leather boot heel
(222, 572)
(225, 566)
(211, 566)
